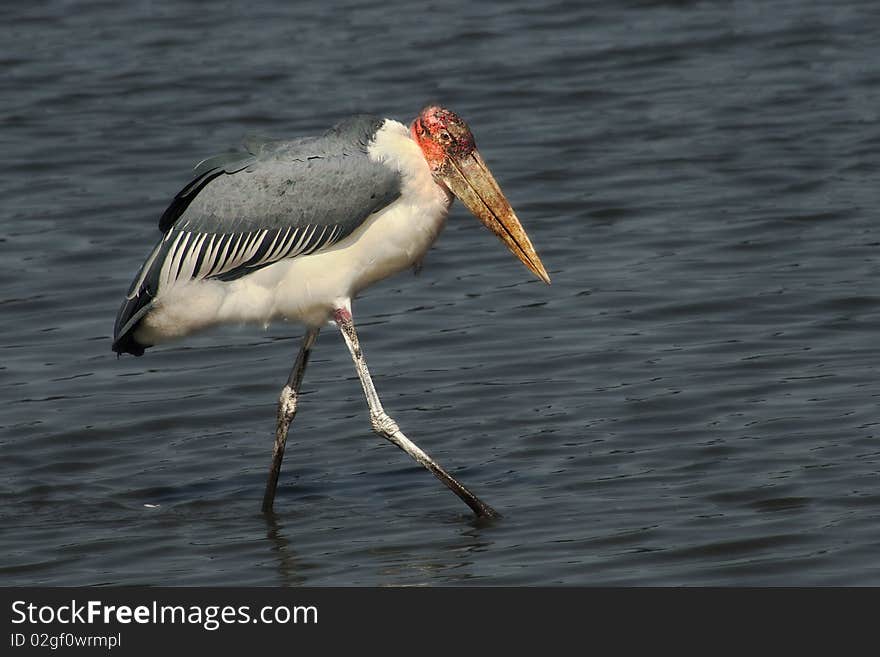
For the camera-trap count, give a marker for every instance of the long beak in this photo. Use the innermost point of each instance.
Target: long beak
(471, 181)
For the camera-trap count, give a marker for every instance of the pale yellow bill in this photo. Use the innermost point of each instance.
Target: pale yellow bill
(471, 181)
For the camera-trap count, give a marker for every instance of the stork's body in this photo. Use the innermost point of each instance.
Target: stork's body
(294, 230)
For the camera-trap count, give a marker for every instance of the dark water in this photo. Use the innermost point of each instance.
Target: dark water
(693, 401)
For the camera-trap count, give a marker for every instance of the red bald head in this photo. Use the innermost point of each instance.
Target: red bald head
(441, 134)
(456, 165)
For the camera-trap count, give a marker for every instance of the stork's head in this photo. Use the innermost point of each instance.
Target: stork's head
(449, 148)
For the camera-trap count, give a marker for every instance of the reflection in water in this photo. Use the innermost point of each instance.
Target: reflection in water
(452, 563)
(280, 546)
(450, 555)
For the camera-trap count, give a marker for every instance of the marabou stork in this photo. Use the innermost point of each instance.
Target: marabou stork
(296, 229)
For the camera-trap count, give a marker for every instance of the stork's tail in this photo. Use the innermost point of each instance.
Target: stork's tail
(130, 315)
(137, 303)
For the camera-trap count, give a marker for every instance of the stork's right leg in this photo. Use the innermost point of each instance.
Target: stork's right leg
(286, 413)
(387, 428)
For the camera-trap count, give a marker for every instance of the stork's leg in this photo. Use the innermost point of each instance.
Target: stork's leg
(387, 428)
(286, 413)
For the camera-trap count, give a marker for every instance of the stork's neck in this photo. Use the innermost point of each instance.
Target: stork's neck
(394, 146)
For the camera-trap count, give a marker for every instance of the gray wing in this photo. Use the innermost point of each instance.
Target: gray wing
(247, 210)
(279, 200)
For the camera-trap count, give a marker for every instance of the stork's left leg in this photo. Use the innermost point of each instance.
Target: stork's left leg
(387, 428)
(286, 413)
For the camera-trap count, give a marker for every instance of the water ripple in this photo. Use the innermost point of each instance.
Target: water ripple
(693, 401)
